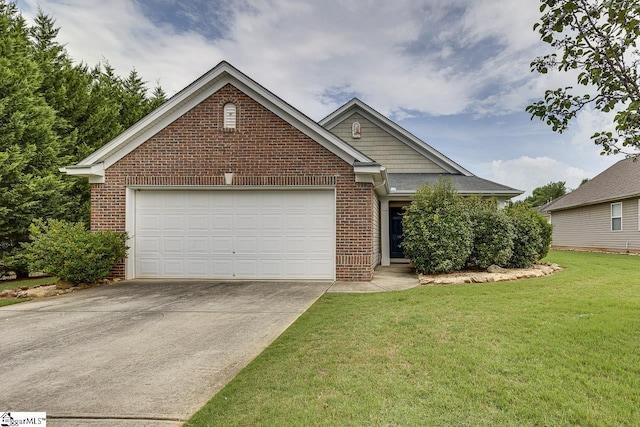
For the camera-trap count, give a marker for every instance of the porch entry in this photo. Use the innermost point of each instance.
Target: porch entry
(395, 231)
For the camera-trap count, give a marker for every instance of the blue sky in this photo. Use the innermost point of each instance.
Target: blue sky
(455, 73)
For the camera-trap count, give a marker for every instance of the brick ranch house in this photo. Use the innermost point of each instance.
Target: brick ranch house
(227, 181)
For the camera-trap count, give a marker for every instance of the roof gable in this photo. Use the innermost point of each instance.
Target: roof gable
(222, 74)
(620, 181)
(355, 106)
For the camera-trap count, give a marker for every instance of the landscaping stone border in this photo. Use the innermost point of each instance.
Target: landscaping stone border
(499, 275)
(50, 290)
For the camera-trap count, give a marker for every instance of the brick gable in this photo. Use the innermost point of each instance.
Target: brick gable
(264, 150)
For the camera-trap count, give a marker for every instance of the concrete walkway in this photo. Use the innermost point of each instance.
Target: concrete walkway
(396, 277)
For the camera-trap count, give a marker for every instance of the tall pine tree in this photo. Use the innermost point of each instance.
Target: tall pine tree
(53, 113)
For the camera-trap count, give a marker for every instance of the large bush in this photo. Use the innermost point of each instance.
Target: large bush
(437, 234)
(72, 253)
(546, 234)
(532, 235)
(493, 234)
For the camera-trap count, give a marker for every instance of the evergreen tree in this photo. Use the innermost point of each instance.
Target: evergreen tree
(30, 149)
(53, 113)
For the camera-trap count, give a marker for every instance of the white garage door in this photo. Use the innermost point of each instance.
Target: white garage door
(235, 234)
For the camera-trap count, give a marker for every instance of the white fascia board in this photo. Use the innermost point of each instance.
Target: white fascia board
(372, 174)
(397, 131)
(200, 90)
(505, 193)
(95, 173)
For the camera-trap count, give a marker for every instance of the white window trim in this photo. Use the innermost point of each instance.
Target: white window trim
(613, 217)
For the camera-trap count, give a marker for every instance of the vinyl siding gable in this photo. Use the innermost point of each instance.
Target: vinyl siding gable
(384, 148)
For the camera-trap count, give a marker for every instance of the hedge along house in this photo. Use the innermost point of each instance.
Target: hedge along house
(227, 181)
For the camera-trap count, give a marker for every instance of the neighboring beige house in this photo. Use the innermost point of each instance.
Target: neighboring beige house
(601, 214)
(226, 180)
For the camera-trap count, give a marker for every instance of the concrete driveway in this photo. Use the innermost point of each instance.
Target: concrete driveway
(139, 353)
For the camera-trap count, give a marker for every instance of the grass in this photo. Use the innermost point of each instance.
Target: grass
(32, 282)
(10, 301)
(18, 283)
(555, 351)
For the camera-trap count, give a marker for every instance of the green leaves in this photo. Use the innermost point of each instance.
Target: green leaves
(72, 253)
(444, 232)
(599, 38)
(52, 114)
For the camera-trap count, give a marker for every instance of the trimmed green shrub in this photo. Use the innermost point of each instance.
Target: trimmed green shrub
(437, 234)
(532, 237)
(71, 252)
(493, 234)
(546, 234)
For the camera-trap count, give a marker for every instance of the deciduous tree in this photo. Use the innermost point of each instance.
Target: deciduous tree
(546, 193)
(597, 39)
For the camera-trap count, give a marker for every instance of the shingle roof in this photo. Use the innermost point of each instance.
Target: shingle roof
(409, 182)
(620, 181)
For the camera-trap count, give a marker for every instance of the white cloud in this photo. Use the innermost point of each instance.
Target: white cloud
(406, 58)
(299, 50)
(527, 173)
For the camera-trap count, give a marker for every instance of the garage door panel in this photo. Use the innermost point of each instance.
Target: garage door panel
(173, 267)
(247, 245)
(197, 222)
(272, 245)
(176, 200)
(322, 245)
(247, 222)
(149, 246)
(221, 221)
(148, 222)
(317, 267)
(222, 245)
(271, 222)
(198, 245)
(173, 245)
(235, 234)
(221, 268)
(247, 268)
(198, 267)
(296, 222)
(295, 244)
(147, 267)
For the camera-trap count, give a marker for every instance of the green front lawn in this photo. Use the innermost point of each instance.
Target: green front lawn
(14, 284)
(560, 350)
(18, 283)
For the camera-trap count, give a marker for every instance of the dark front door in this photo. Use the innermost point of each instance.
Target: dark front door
(395, 230)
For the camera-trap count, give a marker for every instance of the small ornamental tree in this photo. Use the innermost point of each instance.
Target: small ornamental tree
(493, 234)
(437, 233)
(71, 252)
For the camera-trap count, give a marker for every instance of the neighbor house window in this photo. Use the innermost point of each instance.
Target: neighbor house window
(616, 216)
(229, 116)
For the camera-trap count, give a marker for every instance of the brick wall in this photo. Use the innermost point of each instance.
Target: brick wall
(262, 150)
